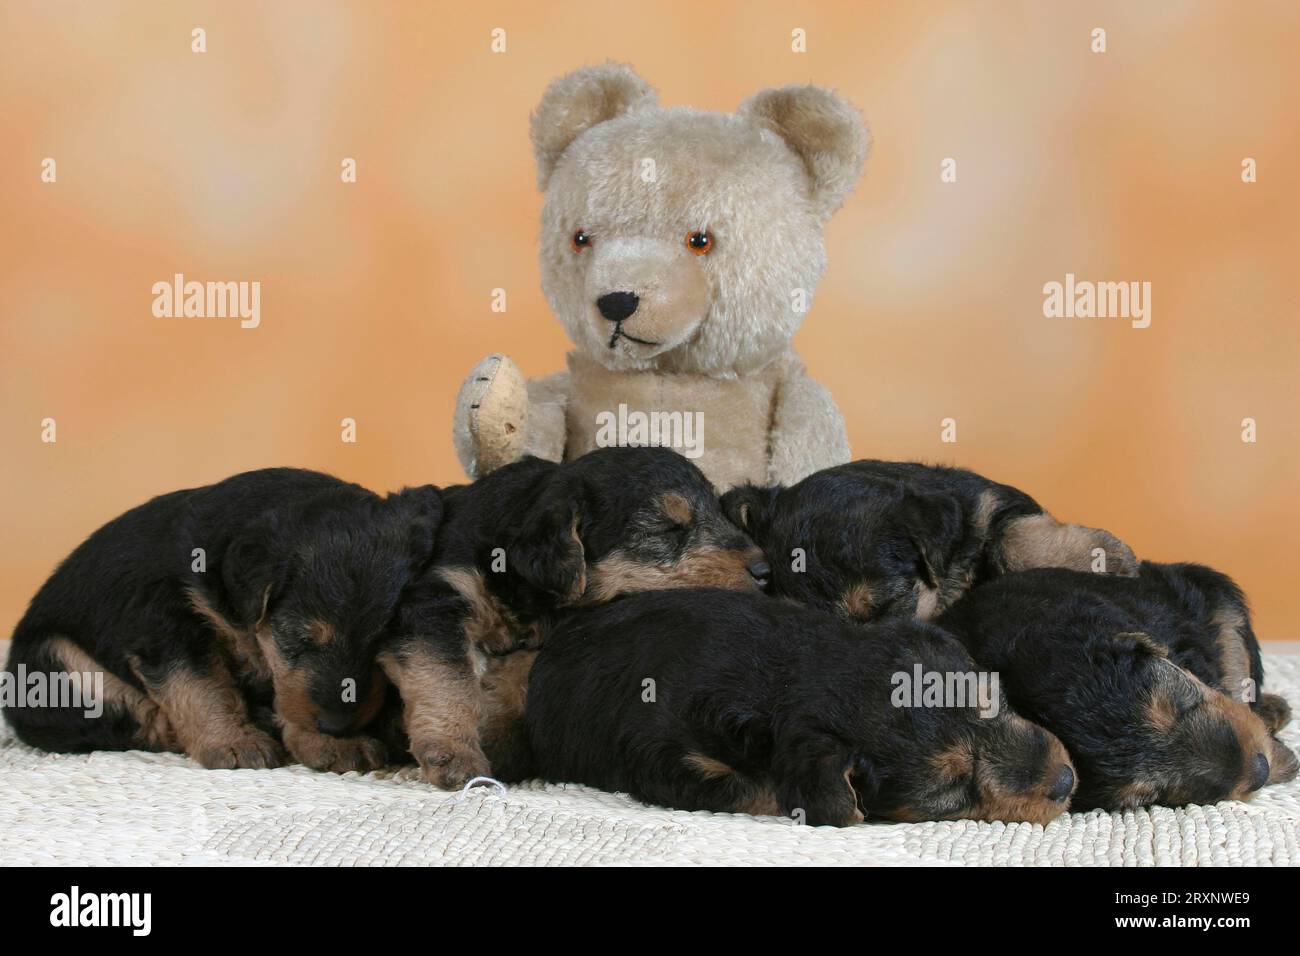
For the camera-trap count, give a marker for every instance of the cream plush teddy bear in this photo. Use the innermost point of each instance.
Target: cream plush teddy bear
(680, 250)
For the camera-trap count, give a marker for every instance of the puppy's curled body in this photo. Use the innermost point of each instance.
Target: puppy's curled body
(712, 700)
(225, 619)
(1142, 678)
(878, 539)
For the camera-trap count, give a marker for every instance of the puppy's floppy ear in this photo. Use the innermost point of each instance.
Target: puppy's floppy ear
(548, 552)
(749, 507)
(934, 523)
(252, 569)
(578, 101)
(824, 131)
(421, 508)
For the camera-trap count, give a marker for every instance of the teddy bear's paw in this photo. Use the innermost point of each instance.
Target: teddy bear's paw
(493, 405)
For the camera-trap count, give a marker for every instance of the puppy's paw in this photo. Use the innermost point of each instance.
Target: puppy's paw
(1283, 765)
(251, 750)
(1040, 541)
(449, 765)
(493, 404)
(335, 754)
(1274, 711)
(1120, 559)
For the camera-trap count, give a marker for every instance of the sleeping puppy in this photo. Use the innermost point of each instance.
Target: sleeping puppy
(227, 620)
(1206, 629)
(517, 547)
(713, 700)
(1141, 678)
(877, 539)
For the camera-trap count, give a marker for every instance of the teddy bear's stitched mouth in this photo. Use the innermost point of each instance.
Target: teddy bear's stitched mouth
(619, 333)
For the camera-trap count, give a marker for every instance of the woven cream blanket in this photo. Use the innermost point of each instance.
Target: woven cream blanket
(136, 808)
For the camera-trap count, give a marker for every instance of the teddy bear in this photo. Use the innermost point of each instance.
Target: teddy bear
(680, 249)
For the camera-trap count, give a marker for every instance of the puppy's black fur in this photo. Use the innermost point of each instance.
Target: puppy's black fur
(227, 616)
(716, 700)
(1142, 678)
(877, 539)
(514, 549)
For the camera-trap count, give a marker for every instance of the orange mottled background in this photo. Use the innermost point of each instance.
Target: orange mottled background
(376, 296)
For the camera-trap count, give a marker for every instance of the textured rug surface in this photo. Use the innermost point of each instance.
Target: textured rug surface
(136, 808)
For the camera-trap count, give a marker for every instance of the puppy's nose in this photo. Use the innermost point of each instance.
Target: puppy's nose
(1258, 772)
(617, 306)
(761, 572)
(333, 724)
(1062, 786)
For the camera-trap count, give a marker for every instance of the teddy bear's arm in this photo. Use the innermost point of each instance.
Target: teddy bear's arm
(501, 416)
(807, 430)
(547, 401)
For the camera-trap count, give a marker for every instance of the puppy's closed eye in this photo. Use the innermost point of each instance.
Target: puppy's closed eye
(1173, 695)
(299, 640)
(1180, 686)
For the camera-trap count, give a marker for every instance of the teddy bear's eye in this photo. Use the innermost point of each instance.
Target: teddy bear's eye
(581, 240)
(700, 242)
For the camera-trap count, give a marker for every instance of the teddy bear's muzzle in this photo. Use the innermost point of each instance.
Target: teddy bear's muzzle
(648, 295)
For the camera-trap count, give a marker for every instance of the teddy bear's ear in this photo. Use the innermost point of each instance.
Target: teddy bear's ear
(824, 130)
(578, 101)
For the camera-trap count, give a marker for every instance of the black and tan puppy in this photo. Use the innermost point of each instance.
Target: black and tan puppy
(1142, 678)
(228, 620)
(877, 539)
(713, 700)
(1207, 630)
(517, 547)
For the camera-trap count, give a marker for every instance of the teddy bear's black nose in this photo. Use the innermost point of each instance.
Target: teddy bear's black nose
(617, 306)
